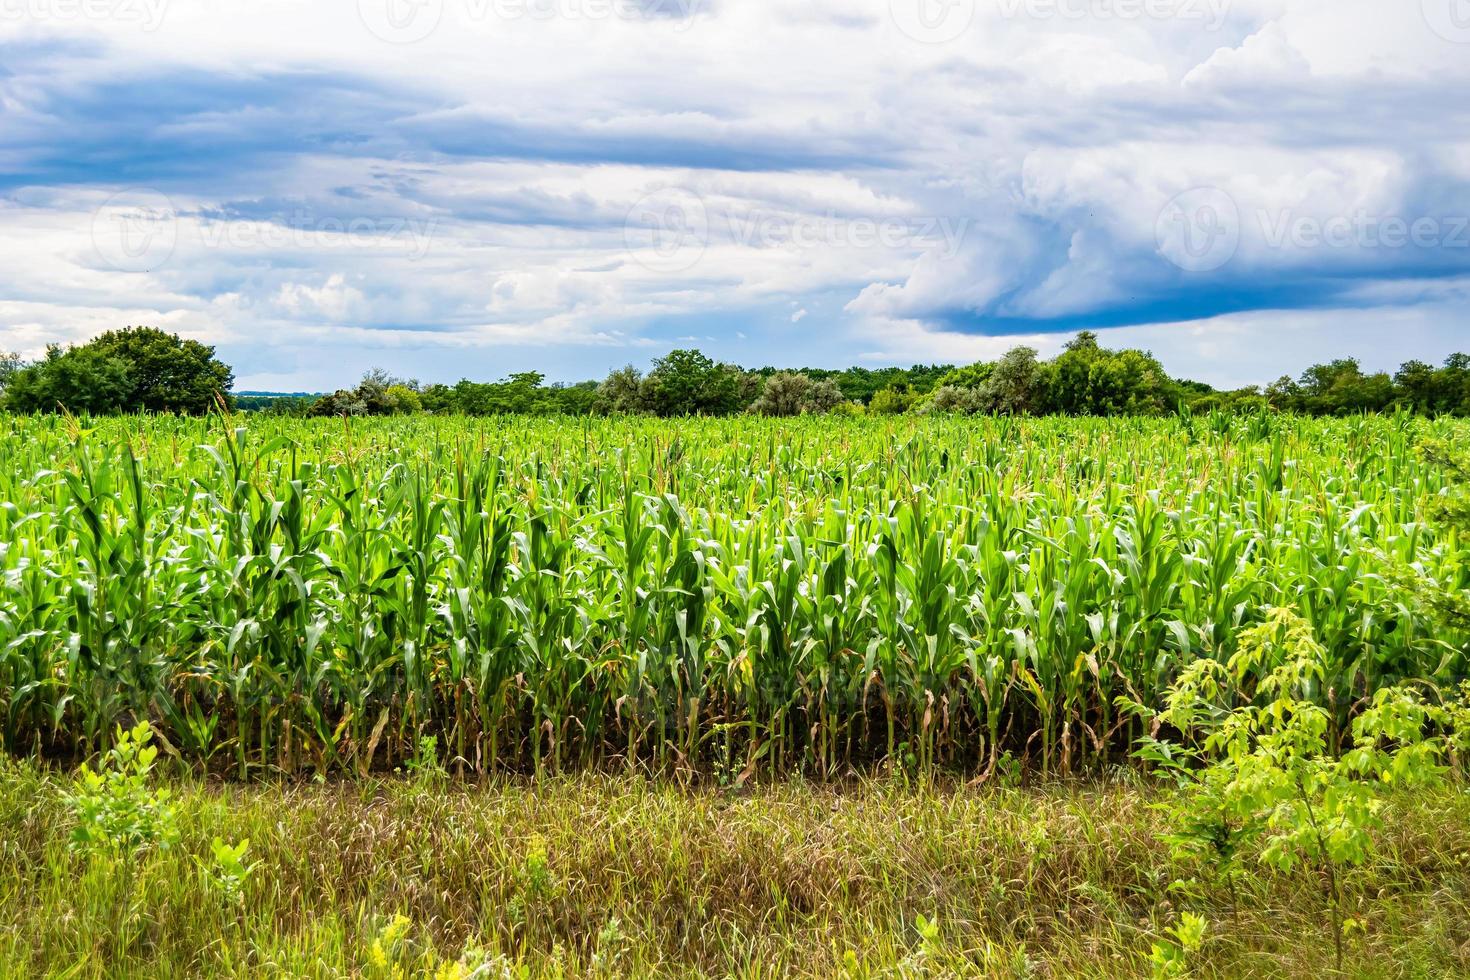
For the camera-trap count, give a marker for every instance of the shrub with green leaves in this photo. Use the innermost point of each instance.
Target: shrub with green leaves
(118, 814)
(1258, 762)
(228, 872)
(1171, 957)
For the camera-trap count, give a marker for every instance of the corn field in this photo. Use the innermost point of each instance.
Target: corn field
(730, 598)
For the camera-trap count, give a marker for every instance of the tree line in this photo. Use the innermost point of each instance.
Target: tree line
(143, 369)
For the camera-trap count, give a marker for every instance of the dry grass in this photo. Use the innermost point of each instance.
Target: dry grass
(645, 879)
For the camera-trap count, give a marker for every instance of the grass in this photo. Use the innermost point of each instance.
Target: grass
(617, 876)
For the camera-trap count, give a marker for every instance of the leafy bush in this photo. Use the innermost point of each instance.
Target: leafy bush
(622, 393)
(893, 401)
(788, 393)
(120, 821)
(117, 814)
(228, 873)
(379, 393)
(956, 400)
(1255, 764)
(1171, 957)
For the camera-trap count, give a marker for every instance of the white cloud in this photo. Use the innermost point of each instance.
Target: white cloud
(491, 167)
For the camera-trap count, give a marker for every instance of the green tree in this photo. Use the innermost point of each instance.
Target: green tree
(1341, 388)
(1284, 394)
(10, 363)
(1257, 758)
(139, 369)
(785, 394)
(1452, 383)
(378, 393)
(862, 384)
(406, 400)
(1088, 379)
(282, 406)
(893, 400)
(1417, 385)
(971, 376)
(788, 393)
(1014, 385)
(688, 382)
(168, 373)
(77, 379)
(956, 400)
(823, 397)
(1435, 391)
(577, 399)
(621, 393)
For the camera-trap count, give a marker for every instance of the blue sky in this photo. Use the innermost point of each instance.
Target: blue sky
(452, 188)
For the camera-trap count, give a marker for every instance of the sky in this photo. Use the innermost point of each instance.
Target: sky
(469, 188)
